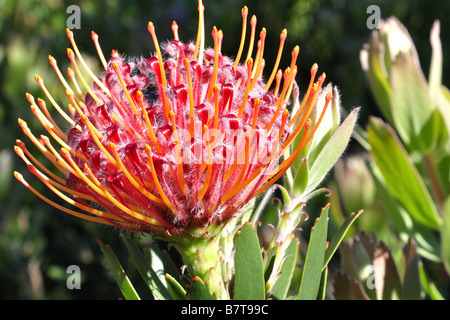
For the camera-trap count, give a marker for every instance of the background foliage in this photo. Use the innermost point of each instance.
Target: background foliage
(37, 243)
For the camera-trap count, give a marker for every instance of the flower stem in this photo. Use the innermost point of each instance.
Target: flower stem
(202, 256)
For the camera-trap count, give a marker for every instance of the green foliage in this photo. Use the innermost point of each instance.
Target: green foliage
(249, 278)
(315, 257)
(37, 243)
(118, 272)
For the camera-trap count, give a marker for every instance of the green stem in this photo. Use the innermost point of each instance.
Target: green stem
(202, 256)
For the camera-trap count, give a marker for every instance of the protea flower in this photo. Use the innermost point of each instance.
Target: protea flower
(174, 144)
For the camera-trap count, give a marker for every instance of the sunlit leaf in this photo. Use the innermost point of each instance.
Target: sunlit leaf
(281, 287)
(200, 290)
(401, 177)
(331, 152)
(412, 108)
(339, 236)
(249, 275)
(315, 257)
(118, 273)
(175, 288)
(150, 277)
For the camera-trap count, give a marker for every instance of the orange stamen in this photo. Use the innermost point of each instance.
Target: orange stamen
(216, 38)
(71, 56)
(19, 177)
(259, 57)
(239, 184)
(181, 181)
(125, 90)
(252, 37)
(187, 66)
(21, 150)
(244, 30)
(175, 30)
(80, 57)
(289, 76)
(314, 69)
(99, 49)
(166, 200)
(247, 87)
(48, 126)
(132, 179)
(205, 186)
(151, 132)
(72, 77)
(151, 29)
(41, 146)
(91, 210)
(116, 202)
(49, 96)
(283, 36)
(200, 41)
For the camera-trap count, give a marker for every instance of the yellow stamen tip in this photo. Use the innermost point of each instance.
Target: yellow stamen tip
(70, 53)
(22, 123)
(18, 176)
(112, 145)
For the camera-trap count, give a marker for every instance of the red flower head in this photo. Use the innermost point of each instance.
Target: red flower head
(175, 143)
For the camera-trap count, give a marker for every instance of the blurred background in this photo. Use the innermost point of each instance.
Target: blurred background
(37, 243)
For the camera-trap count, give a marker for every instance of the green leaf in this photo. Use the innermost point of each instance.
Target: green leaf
(402, 178)
(301, 178)
(119, 274)
(428, 286)
(158, 257)
(323, 285)
(412, 108)
(428, 245)
(199, 290)
(175, 288)
(339, 236)
(445, 235)
(150, 277)
(283, 283)
(331, 152)
(315, 257)
(372, 61)
(249, 274)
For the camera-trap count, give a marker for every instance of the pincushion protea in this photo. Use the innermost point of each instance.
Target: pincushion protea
(173, 144)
